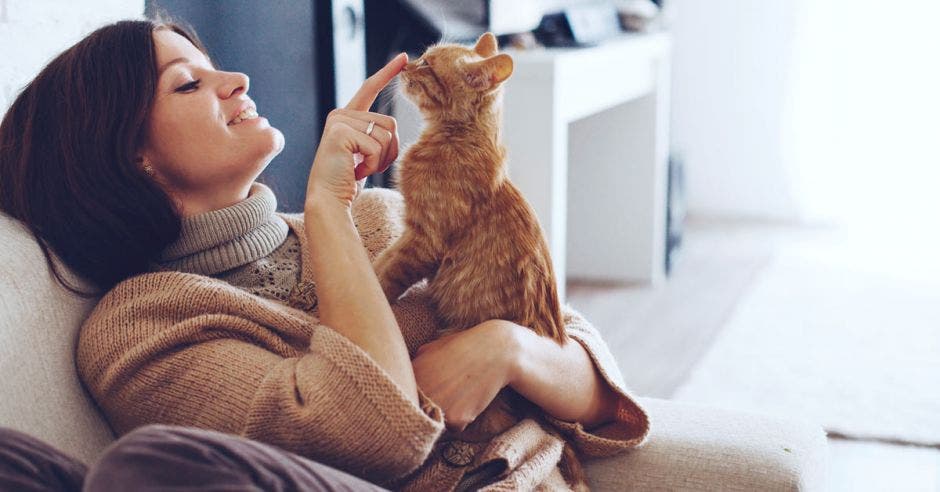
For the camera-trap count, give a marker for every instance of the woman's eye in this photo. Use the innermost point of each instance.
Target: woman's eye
(189, 86)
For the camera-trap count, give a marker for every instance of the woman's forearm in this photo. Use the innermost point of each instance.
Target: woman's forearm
(350, 298)
(561, 379)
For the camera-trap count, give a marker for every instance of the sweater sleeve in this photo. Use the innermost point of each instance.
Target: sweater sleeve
(631, 424)
(337, 405)
(150, 358)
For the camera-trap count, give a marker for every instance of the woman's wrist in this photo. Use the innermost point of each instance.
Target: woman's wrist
(512, 338)
(326, 209)
(561, 379)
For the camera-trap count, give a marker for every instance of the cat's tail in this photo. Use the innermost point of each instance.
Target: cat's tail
(572, 470)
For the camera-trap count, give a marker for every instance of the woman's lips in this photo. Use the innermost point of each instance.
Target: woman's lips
(250, 121)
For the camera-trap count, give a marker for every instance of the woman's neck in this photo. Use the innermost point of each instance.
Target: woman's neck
(190, 205)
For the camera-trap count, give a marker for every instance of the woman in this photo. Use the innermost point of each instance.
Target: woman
(134, 160)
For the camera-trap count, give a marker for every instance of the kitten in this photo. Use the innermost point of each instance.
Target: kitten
(468, 230)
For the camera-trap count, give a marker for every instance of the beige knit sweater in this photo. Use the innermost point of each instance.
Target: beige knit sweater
(188, 349)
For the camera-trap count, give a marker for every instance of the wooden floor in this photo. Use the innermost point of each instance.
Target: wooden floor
(659, 333)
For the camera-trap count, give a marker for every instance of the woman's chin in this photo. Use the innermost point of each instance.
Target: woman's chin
(279, 138)
(274, 143)
(261, 156)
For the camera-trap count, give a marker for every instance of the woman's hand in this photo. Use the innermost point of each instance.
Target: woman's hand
(346, 153)
(462, 372)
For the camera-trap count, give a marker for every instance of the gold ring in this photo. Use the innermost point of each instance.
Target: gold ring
(370, 128)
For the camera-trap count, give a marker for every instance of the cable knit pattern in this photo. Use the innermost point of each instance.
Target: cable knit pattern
(187, 349)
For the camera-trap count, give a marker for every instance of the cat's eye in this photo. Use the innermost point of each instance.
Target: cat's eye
(421, 63)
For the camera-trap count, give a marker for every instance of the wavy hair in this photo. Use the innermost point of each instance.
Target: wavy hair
(68, 148)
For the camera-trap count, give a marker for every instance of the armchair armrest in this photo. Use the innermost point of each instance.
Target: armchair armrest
(693, 447)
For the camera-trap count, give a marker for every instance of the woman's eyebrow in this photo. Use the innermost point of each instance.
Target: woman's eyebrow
(174, 61)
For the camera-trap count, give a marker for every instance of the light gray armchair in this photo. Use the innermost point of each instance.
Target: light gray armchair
(690, 447)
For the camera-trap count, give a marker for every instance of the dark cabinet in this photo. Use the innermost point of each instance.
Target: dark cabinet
(286, 47)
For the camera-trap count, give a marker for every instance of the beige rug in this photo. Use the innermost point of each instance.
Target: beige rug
(819, 337)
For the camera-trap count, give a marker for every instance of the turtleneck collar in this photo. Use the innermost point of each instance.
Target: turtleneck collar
(219, 240)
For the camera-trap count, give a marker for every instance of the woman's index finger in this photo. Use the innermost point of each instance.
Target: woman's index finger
(370, 89)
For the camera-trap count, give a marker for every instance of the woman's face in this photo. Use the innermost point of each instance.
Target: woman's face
(202, 154)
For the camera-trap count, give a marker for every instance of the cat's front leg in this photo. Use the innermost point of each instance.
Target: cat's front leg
(405, 262)
(383, 266)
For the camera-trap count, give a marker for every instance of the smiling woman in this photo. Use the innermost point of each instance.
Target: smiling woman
(203, 138)
(118, 138)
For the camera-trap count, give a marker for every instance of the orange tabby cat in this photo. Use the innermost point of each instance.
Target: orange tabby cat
(468, 230)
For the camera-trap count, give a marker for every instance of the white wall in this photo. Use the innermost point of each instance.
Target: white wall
(814, 110)
(731, 73)
(866, 107)
(32, 32)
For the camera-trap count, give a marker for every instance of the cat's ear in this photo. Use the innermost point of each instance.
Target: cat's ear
(488, 73)
(486, 45)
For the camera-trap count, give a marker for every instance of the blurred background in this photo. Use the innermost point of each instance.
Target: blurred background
(740, 195)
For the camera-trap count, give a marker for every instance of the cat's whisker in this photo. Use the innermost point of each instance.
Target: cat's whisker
(388, 96)
(392, 99)
(385, 97)
(395, 91)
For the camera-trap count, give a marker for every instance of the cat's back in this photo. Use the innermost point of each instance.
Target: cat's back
(499, 267)
(510, 206)
(445, 181)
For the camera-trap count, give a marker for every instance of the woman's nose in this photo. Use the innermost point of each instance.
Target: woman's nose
(236, 83)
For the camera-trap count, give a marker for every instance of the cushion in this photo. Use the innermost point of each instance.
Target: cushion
(39, 322)
(694, 447)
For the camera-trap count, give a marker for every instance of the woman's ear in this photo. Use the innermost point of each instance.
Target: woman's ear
(489, 73)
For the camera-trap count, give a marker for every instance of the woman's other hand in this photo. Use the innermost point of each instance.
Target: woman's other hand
(462, 372)
(348, 153)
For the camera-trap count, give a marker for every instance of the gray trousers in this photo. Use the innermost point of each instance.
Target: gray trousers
(161, 457)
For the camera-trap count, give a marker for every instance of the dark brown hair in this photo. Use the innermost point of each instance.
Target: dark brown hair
(68, 146)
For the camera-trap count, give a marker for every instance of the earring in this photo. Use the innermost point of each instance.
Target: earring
(147, 168)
